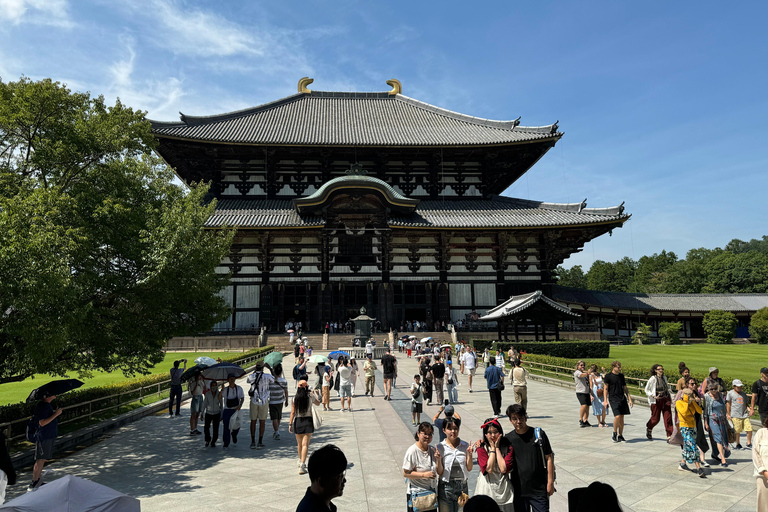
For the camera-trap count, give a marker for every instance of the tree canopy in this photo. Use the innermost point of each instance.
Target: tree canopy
(103, 257)
(741, 267)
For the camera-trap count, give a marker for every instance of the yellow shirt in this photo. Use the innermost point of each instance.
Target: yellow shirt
(686, 409)
(370, 368)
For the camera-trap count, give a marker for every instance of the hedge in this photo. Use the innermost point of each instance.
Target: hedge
(636, 372)
(577, 349)
(23, 410)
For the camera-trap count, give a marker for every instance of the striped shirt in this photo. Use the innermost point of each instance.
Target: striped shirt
(277, 390)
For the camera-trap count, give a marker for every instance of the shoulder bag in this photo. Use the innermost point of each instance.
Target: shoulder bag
(424, 499)
(317, 419)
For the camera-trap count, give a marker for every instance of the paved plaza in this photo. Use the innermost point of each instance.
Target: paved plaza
(157, 461)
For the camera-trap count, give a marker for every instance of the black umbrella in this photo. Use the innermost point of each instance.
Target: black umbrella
(192, 372)
(221, 371)
(55, 387)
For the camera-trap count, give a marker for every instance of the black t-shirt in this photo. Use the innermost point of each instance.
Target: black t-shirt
(438, 370)
(616, 385)
(43, 411)
(296, 350)
(761, 389)
(388, 363)
(314, 503)
(529, 475)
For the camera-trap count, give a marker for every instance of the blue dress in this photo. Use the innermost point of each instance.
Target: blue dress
(714, 414)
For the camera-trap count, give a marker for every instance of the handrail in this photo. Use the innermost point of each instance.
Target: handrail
(161, 386)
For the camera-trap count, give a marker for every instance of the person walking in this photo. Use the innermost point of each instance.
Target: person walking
(299, 370)
(345, 385)
(353, 376)
(520, 383)
(196, 389)
(176, 390)
(469, 364)
(417, 399)
(278, 397)
(438, 375)
(260, 394)
(300, 422)
(48, 430)
(495, 458)
(581, 378)
(233, 402)
(701, 434)
(715, 422)
(389, 369)
(327, 384)
(760, 395)
(425, 368)
(369, 367)
(486, 358)
(714, 376)
(420, 466)
(687, 407)
(453, 467)
(737, 412)
(451, 382)
(533, 465)
(212, 406)
(684, 374)
(657, 391)
(598, 394)
(617, 395)
(493, 377)
(760, 462)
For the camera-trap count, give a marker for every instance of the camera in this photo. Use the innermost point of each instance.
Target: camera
(446, 402)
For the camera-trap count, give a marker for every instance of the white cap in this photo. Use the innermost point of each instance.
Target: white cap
(737, 382)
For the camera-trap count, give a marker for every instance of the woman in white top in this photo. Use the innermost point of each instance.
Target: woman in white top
(327, 384)
(420, 464)
(345, 384)
(760, 460)
(596, 386)
(353, 378)
(453, 467)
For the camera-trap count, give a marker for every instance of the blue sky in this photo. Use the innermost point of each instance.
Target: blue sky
(663, 104)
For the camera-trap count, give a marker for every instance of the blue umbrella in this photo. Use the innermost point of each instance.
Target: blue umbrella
(337, 354)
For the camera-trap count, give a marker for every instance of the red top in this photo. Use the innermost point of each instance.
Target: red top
(482, 459)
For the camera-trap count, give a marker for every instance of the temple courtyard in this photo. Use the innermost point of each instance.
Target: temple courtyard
(157, 461)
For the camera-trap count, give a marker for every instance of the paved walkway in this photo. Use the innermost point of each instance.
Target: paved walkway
(157, 461)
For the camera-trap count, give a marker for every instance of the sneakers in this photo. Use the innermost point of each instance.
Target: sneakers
(739, 447)
(303, 469)
(701, 473)
(34, 485)
(581, 424)
(298, 463)
(213, 445)
(621, 438)
(234, 438)
(615, 437)
(276, 435)
(704, 464)
(648, 434)
(260, 446)
(207, 444)
(749, 446)
(683, 467)
(253, 445)
(586, 424)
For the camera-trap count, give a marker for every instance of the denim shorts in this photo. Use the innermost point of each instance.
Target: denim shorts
(346, 391)
(196, 405)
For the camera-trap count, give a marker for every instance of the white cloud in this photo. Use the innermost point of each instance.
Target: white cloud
(42, 12)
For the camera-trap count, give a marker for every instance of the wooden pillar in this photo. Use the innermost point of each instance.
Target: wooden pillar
(536, 331)
(557, 331)
(498, 325)
(517, 332)
(543, 332)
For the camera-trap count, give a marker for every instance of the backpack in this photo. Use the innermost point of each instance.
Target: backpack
(538, 442)
(33, 429)
(296, 372)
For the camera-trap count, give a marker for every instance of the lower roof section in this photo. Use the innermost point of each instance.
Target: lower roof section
(737, 302)
(495, 212)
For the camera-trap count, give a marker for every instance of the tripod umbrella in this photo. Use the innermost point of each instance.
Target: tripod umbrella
(55, 387)
(221, 371)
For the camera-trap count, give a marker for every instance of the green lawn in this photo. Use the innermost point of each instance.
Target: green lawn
(733, 361)
(18, 391)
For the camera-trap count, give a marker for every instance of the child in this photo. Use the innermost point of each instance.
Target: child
(417, 397)
(736, 402)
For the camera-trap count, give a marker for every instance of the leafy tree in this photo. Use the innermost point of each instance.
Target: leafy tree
(745, 272)
(670, 332)
(737, 246)
(758, 326)
(572, 277)
(611, 277)
(651, 274)
(102, 256)
(641, 335)
(720, 326)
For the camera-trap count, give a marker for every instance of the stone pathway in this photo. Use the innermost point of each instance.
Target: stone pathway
(157, 461)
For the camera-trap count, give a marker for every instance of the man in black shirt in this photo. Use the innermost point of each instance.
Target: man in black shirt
(389, 368)
(617, 395)
(533, 471)
(438, 373)
(760, 395)
(327, 471)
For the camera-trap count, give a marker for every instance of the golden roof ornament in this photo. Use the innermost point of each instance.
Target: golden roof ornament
(303, 83)
(397, 87)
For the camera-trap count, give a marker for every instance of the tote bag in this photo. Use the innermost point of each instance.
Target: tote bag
(317, 419)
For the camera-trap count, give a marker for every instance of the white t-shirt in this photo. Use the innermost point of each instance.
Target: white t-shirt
(369, 348)
(344, 374)
(420, 398)
(469, 360)
(261, 394)
(417, 460)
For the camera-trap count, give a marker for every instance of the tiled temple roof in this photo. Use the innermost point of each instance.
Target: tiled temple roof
(496, 212)
(519, 303)
(745, 302)
(351, 118)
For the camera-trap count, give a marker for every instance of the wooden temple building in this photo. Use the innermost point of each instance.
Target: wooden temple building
(342, 200)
